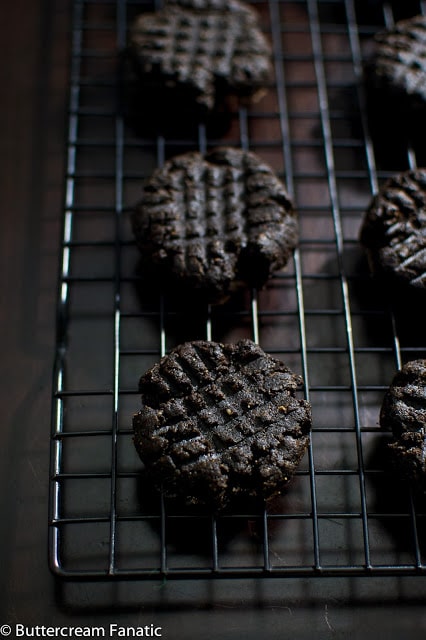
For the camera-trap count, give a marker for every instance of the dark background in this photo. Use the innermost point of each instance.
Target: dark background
(35, 45)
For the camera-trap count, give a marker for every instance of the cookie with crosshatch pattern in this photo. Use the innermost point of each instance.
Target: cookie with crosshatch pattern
(221, 423)
(398, 65)
(214, 223)
(404, 412)
(394, 231)
(198, 53)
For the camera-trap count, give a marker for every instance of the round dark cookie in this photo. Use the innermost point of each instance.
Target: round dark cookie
(214, 223)
(221, 423)
(404, 412)
(199, 53)
(398, 65)
(394, 230)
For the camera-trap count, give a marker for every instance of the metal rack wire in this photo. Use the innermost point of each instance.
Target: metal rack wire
(345, 514)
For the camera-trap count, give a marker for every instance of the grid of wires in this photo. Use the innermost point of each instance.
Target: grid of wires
(344, 513)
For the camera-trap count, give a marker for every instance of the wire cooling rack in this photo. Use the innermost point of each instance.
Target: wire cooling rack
(344, 513)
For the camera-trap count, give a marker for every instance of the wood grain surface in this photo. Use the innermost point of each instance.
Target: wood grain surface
(34, 89)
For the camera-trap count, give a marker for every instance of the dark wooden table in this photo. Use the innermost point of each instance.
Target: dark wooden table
(34, 77)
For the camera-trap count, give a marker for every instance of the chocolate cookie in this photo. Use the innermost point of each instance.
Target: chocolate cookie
(198, 53)
(404, 412)
(394, 230)
(214, 223)
(398, 66)
(221, 423)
